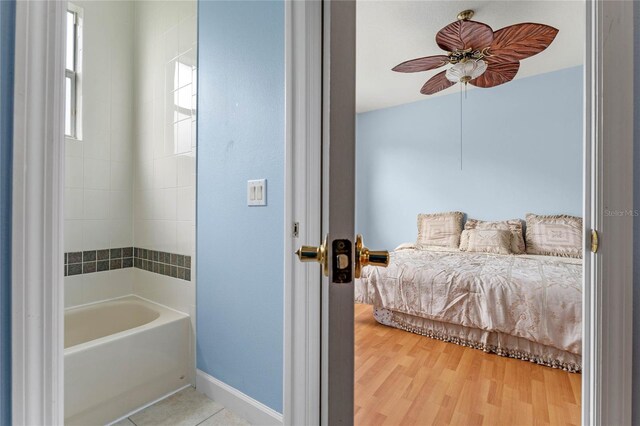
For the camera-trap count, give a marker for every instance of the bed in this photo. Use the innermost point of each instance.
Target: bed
(521, 306)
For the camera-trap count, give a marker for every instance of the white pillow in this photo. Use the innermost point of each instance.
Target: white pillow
(439, 230)
(496, 241)
(513, 225)
(554, 235)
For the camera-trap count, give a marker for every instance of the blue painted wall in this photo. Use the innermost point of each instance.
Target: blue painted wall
(636, 221)
(240, 249)
(522, 152)
(7, 35)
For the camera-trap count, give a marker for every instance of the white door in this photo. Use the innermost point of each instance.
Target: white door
(341, 254)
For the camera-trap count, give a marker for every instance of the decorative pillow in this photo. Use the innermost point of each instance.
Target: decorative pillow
(513, 225)
(557, 235)
(497, 241)
(439, 229)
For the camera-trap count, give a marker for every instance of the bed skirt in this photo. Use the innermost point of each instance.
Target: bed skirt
(489, 341)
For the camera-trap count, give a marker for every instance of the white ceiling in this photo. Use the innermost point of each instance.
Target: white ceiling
(391, 32)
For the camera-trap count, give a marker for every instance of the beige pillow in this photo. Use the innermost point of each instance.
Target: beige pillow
(513, 225)
(557, 235)
(439, 230)
(496, 241)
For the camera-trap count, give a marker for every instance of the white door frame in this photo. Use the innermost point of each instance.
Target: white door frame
(608, 302)
(608, 185)
(303, 175)
(38, 190)
(37, 282)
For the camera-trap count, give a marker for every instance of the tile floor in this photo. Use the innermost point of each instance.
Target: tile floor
(185, 408)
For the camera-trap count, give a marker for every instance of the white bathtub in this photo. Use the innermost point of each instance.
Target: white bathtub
(120, 355)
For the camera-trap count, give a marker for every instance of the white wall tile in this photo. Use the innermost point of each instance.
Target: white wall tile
(121, 146)
(107, 285)
(96, 173)
(102, 160)
(96, 134)
(171, 43)
(182, 100)
(164, 159)
(96, 204)
(165, 172)
(121, 131)
(166, 235)
(184, 136)
(187, 33)
(95, 234)
(73, 235)
(186, 237)
(73, 203)
(121, 233)
(120, 204)
(73, 173)
(121, 175)
(169, 203)
(73, 291)
(172, 292)
(171, 80)
(186, 170)
(72, 148)
(144, 174)
(170, 137)
(185, 70)
(186, 204)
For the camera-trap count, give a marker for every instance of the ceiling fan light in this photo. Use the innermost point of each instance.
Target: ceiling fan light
(463, 72)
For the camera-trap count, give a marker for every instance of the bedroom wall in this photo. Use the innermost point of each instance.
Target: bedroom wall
(241, 137)
(408, 157)
(7, 36)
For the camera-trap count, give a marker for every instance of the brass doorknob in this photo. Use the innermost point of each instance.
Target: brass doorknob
(365, 257)
(315, 254)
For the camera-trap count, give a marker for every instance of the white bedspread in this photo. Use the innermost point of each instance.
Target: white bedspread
(538, 298)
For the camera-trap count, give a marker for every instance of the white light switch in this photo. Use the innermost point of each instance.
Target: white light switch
(257, 192)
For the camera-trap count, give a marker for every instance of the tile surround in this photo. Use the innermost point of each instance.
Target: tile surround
(130, 181)
(159, 262)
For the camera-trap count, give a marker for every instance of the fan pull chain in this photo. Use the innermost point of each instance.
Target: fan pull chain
(465, 94)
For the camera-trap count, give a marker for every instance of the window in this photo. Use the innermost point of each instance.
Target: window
(72, 67)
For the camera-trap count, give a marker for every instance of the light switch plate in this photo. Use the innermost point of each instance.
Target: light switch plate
(257, 192)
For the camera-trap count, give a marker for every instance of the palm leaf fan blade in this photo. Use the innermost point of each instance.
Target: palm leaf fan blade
(422, 64)
(520, 41)
(436, 83)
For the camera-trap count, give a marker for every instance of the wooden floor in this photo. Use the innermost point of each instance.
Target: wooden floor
(403, 378)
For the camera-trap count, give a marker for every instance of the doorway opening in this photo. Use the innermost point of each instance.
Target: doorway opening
(478, 317)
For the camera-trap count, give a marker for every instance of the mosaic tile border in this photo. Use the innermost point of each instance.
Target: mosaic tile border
(163, 263)
(90, 261)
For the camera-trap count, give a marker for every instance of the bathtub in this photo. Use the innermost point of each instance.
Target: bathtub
(120, 355)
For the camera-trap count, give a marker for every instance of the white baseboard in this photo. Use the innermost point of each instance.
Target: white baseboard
(244, 406)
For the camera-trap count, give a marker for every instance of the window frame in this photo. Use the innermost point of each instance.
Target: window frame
(74, 74)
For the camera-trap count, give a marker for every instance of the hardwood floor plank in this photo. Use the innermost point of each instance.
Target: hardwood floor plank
(403, 378)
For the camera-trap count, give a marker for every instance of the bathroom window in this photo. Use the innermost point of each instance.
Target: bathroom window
(72, 68)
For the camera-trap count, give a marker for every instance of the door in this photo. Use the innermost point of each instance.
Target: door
(338, 224)
(341, 253)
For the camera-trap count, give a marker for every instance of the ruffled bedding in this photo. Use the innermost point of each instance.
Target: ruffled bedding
(523, 306)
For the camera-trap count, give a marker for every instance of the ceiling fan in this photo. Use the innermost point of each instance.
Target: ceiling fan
(479, 55)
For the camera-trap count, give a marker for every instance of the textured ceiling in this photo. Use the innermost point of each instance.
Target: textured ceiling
(390, 32)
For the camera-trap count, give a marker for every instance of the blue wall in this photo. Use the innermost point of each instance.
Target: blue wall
(7, 35)
(240, 277)
(522, 152)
